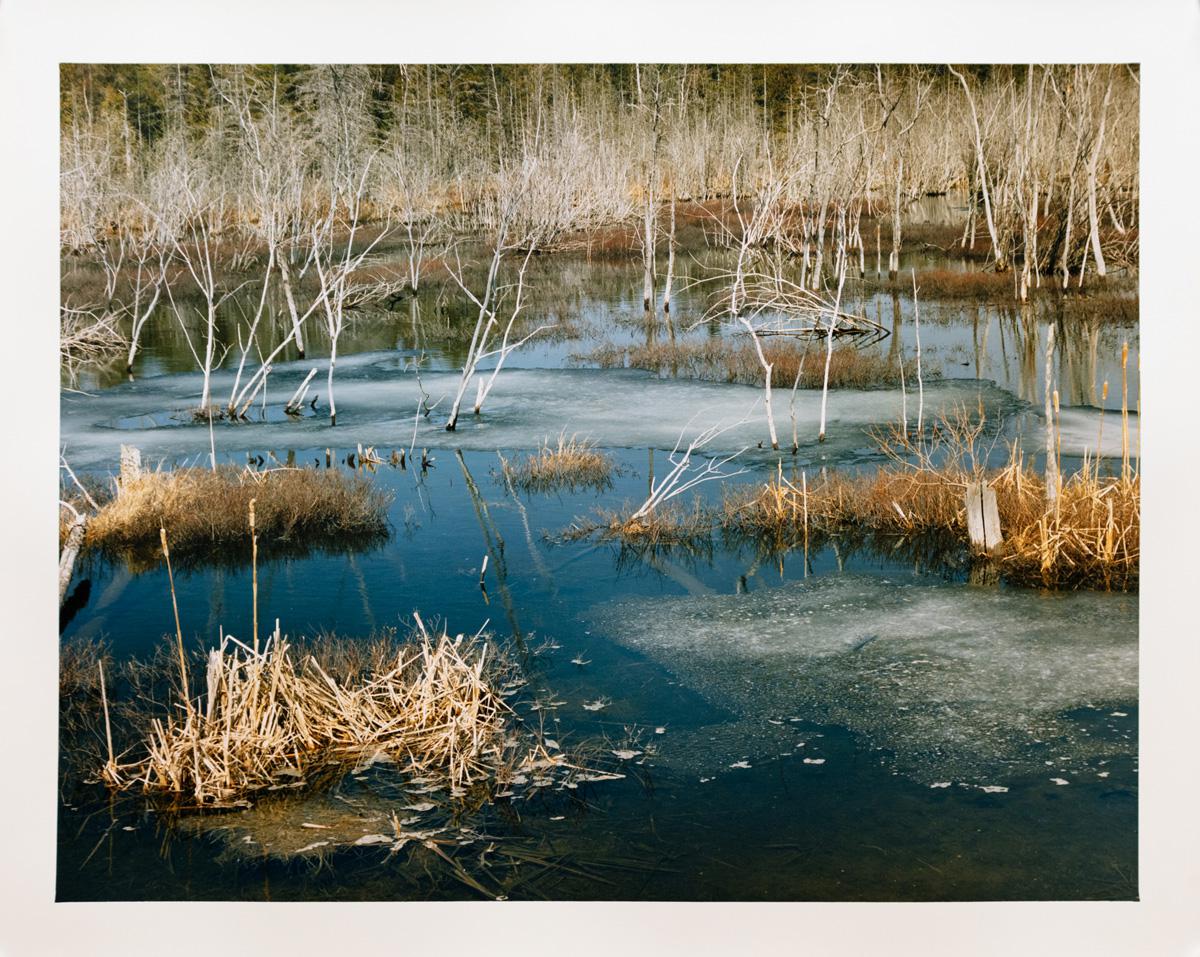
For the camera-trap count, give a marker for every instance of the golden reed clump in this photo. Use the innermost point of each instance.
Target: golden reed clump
(200, 506)
(1089, 539)
(275, 716)
(572, 464)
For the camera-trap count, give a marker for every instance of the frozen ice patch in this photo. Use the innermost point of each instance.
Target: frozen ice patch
(983, 675)
(376, 403)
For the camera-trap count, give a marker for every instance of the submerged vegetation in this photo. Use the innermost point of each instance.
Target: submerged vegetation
(572, 464)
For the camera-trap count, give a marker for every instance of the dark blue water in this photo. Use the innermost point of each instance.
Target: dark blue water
(861, 824)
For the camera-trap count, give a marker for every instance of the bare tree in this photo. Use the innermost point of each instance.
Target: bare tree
(334, 268)
(683, 476)
(497, 297)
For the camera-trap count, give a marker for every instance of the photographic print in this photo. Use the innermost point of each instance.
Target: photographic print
(599, 481)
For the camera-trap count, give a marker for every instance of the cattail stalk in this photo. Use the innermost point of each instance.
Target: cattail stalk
(183, 674)
(254, 573)
(1124, 410)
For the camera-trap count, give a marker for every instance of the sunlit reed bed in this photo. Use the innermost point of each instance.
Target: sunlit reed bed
(1089, 539)
(736, 360)
(201, 507)
(571, 464)
(1081, 532)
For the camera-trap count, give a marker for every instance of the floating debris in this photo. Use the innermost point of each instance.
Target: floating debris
(599, 775)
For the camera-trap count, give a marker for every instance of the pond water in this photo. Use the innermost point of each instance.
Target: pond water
(839, 725)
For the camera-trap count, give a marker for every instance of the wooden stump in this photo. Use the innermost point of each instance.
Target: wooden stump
(131, 463)
(983, 517)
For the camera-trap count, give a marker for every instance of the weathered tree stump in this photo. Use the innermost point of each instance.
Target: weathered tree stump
(131, 464)
(983, 517)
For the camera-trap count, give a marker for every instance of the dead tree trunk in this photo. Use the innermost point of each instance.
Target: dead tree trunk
(648, 254)
(1051, 456)
(894, 256)
(670, 262)
(979, 158)
(285, 280)
(70, 552)
(1093, 163)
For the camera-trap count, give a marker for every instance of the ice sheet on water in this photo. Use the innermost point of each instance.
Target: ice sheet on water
(376, 404)
(1081, 429)
(962, 684)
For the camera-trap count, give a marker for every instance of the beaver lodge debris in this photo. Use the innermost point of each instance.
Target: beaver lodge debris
(776, 306)
(281, 716)
(572, 464)
(201, 507)
(89, 336)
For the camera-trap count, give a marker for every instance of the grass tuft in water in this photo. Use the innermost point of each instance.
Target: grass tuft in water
(200, 507)
(274, 717)
(572, 464)
(1088, 539)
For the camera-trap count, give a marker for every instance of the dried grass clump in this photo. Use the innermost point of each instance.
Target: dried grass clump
(666, 526)
(274, 717)
(79, 664)
(923, 237)
(201, 507)
(724, 360)
(1115, 306)
(572, 464)
(961, 284)
(1090, 539)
